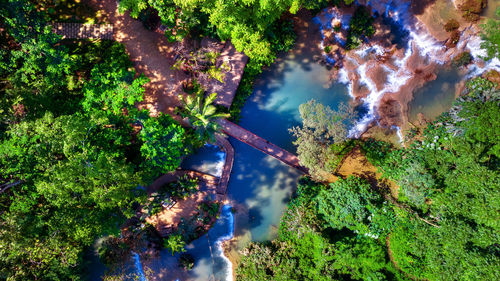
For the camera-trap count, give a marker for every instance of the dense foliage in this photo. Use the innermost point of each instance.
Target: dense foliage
(70, 160)
(308, 247)
(360, 27)
(252, 26)
(322, 137)
(442, 226)
(491, 37)
(449, 176)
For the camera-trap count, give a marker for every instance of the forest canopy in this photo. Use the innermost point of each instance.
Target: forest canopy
(71, 163)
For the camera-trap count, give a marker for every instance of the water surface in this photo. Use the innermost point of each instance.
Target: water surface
(209, 159)
(261, 185)
(436, 96)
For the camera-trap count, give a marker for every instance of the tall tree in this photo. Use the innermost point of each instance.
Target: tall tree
(202, 114)
(322, 127)
(164, 144)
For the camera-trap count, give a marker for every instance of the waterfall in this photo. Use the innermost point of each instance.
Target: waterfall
(138, 267)
(227, 221)
(421, 50)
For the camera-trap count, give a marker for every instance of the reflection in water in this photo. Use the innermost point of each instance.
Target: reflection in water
(436, 96)
(209, 159)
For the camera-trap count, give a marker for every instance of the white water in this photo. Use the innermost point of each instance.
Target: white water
(138, 267)
(227, 214)
(419, 41)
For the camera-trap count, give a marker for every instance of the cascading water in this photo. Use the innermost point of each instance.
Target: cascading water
(138, 267)
(222, 230)
(403, 69)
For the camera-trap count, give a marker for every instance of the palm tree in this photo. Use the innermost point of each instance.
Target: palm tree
(201, 113)
(175, 244)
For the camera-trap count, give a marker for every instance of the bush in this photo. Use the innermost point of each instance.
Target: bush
(351, 204)
(175, 244)
(361, 26)
(451, 25)
(462, 59)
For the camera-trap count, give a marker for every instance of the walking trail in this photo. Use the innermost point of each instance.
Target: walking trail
(151, 54)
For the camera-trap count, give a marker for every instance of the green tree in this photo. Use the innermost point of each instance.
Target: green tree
(69, 191)
(363, 259)
(457, 233)
(251, 26)
(163, 144)
(322, 129)
(416, 184)
(202, 115)
(350, 203)
(112, 86)
(491, 36)
(307, 249)
(360, 26)
(175, 244)
(41, 77)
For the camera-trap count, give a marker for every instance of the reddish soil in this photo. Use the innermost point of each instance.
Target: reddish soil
(151, 54)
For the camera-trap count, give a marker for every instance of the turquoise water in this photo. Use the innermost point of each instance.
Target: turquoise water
(209, 159)
(436, 96)
(261, 185)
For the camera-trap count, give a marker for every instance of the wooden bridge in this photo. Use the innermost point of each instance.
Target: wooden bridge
(261, 144)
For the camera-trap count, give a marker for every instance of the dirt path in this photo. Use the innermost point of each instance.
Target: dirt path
(150, 53)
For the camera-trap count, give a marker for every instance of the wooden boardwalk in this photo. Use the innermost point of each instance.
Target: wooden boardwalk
(228, 164)
(83, 31)
(261, 144)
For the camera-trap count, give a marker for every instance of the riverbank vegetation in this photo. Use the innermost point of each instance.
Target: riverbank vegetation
(322, 139)
(441, 226)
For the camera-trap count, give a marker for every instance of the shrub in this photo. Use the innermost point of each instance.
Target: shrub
(175, 244)
(361, 25)
(451, 25)
(462, 59)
